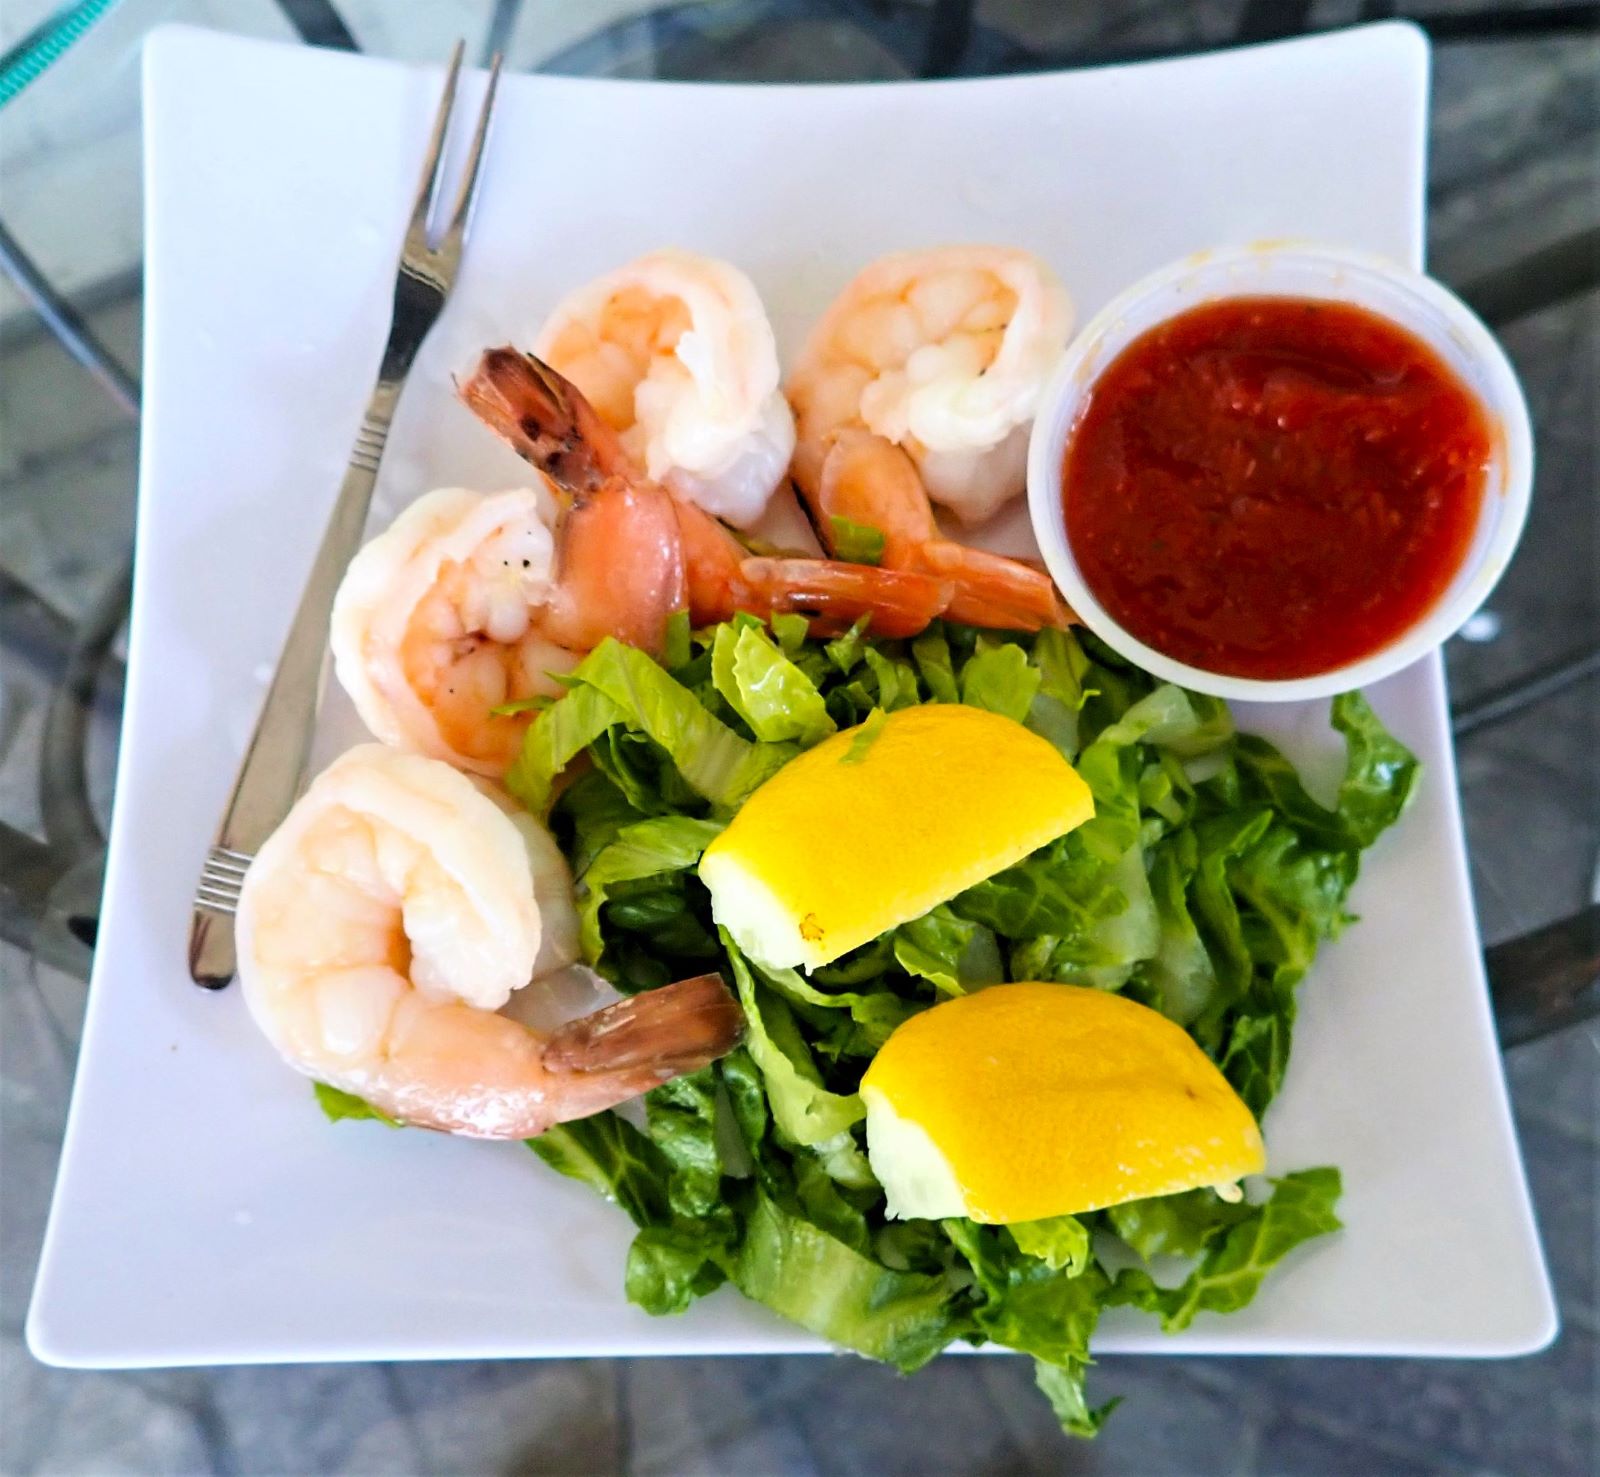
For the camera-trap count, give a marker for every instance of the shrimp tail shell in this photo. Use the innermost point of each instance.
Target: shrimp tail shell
(544, 419)
(662, 1033)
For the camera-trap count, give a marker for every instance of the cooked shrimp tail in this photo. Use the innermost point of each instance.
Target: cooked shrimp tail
(544, 418)
(995, 591)
(677, 1028)
(835, 595)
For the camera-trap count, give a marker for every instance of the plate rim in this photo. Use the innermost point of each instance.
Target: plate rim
(43, 1341)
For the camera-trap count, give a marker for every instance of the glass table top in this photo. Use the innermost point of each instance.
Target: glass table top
(1514, 226)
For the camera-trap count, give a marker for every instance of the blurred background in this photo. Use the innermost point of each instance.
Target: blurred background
(1514, 225)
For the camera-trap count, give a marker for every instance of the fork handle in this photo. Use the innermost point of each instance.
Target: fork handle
(274, 760)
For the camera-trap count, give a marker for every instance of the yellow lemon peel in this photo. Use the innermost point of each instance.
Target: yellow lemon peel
(841, 846)
(1031, 1100)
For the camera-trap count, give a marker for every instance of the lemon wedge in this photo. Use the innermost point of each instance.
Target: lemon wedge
(1033, 1100)
(875, 826)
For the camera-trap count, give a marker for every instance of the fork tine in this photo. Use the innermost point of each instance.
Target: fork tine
(455, 233)
(429, 183)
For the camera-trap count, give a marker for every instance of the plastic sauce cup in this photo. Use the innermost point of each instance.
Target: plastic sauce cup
(1406, 298)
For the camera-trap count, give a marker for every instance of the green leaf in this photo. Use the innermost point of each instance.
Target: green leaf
(1001, 679)
(845, 651)
(840, 1159)
(338, 1105)
(1029, 1306)
(714, 760)
(931, 652)
(747, 1098)
(1063, 667)
(669, 1267)
(668, 843)
(1026, 1304)
(856, 543)
(1166, 794)
(554, 740)
(1117, 943)
(677, 648)
(1061, 1242)
(1187, 723)
(1062, 1385)
(1257, 1053)
(1296, 896)
(1180, 979)
(682, 1115)
(791, 632)
(953, 953)
(816, 1280)
(1175, 1225)
(1060, 890)
(805, 1110)
(594, 809)
(1381, 774)
(517, 706)
(865, 736)
(877, 1013)
(1233, 1268)
(1218, 841)
(611, 1157)
(774, 697)
(1380, 778)
(896, 681)
(825, 1204)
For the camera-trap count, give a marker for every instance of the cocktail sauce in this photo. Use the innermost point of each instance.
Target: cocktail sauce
(1274, 487)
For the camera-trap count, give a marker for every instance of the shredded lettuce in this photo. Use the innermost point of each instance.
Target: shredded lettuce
(952, 953)
(1001, 679)
(859, 543)
(617, 684)
(866, 735)
(1233, 1266)
(774, 697)
(1203, 886)
(1048, 1312)
(650, 848)
(801, 1106)
(1174, 1225)
(1061, 1242)
(338, 1105)
(802, 1273)
(611, 1157)
(564, 730)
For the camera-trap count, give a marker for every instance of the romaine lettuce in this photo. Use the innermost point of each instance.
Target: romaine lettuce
(1203, 887)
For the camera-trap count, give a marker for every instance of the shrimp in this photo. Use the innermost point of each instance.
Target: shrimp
(467, 603)
(674, 352)
(398, 907)
(547, 421)
(438, 622)
(921, 381)
(944, 353)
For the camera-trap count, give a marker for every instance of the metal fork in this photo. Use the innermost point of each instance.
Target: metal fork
(275, 759)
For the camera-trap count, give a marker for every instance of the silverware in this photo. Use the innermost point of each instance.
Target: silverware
(275, 759)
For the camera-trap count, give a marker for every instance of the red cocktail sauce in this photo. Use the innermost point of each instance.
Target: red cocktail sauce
(1274, 487)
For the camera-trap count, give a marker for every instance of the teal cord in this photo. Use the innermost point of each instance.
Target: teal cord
(46, 44)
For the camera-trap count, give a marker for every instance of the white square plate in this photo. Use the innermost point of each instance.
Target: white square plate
(205, 1213)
